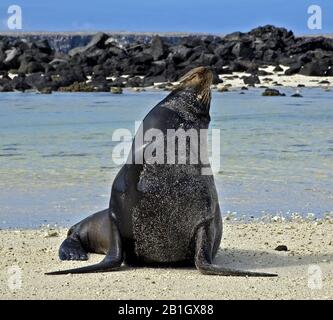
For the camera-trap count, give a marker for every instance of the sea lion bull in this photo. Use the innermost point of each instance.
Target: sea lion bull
(164, 209)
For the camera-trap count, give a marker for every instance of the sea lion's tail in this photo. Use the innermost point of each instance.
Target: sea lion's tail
(213, 269)
(109, 263)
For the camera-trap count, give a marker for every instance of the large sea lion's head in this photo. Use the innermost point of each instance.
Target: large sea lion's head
(199, 79)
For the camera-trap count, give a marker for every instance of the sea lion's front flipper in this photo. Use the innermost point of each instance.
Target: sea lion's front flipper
(203, 258)
(72, 249)
(111, 239)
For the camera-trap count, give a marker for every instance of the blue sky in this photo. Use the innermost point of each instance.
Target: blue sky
(212, 16)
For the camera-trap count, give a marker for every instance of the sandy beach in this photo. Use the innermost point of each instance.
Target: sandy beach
(305, 270)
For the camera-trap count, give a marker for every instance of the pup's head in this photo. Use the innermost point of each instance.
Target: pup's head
(200, 79)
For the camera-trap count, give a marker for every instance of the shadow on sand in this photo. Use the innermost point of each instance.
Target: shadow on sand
(253, 259)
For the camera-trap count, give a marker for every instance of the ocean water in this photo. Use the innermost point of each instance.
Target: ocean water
(56, 153)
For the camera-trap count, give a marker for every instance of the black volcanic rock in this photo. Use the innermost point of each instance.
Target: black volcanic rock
(19, 83)
(242, 49)
(42, 46)
(317, 68)
(329, 72)
(310, 44)
(157, 58)
(251, 80)
(38, 81)
(5, 84)
(206, 59)
(157, 68)
(278, 69)
(97, 41)
(134, 82)
(30, 67)
(216, 79)
(157, 49)
(272, 93)
(293, 69)
(142, 58)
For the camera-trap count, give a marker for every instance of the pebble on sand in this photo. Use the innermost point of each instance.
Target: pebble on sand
(281, 247)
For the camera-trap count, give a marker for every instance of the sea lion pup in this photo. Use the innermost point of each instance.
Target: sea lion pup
(164, 208)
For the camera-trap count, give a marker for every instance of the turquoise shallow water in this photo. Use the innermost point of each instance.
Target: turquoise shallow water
(56, 153)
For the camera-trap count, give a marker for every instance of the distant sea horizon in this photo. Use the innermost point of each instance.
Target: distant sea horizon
(147, 33)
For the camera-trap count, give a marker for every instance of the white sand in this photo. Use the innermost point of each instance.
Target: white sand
(246, 246)
(279, 77)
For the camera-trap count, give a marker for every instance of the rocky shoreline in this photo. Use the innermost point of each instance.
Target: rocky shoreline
(107, 63)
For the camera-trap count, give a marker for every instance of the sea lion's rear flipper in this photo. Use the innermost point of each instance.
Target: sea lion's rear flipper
(203, 259)
(111, 262)
(113, 258)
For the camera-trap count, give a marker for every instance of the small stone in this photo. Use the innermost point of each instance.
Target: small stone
(51, 233)
(252, 80)
(272, 93)
(116, 90)
(278, 69)
(223, 89)
(324, 82)
(281, 247)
